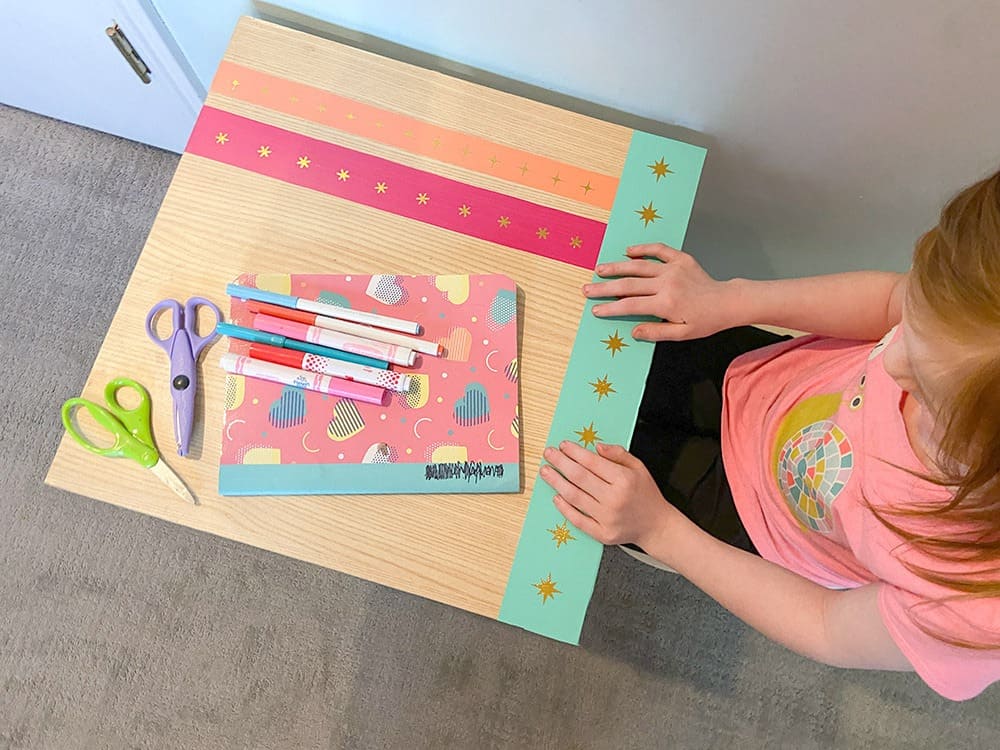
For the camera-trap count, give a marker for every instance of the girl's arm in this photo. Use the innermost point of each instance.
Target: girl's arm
(612, 497)
(691, 304)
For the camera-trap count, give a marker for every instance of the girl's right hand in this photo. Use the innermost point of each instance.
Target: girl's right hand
(690, 302)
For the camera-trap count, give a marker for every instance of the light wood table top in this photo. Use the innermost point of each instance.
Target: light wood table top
(217, 221)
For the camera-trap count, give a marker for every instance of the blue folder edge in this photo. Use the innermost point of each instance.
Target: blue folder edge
(366, 479)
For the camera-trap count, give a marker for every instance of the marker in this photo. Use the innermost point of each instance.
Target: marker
(335, 340)
(423, 346)
(394, 381)
(313, 381)
(322, 308)
(250, 334)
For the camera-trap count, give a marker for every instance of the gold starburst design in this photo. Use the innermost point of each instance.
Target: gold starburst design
(352, 116)
(293, 99)
(648, 214)
(464, 210)
(321, 107)
(523, 168)
(264, 151)
(586, 188)
(466, 151)
(422, 198)
(381, 188)
(235, 84)
(588, 435)
(542, 233)
(614, 343)
(547, 588)
(556, 179)
(602, 387)
(407, 133)
(222, 138)
(660, 169)
(494, 161)
(343, 175)
(575, 242)
(304, 162)
(436, 141)
(504, 222)
(561, 534)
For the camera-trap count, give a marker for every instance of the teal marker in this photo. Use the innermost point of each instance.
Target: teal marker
(260, 337)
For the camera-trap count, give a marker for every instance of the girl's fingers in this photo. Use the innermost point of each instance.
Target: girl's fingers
(627, 306)
(573, 494)
(629, 268)
(662, 331)
(586, 524)
(597, 465)
(627, 287)
(654, 250)
(617, 454)
(576, 472)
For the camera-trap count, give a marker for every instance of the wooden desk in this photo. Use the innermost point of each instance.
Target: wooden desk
(218, 221)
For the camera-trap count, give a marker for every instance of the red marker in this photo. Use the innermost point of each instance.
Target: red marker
(394, 381)
(423, 346)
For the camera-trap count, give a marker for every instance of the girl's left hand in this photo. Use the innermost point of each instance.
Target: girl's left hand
(609, 495)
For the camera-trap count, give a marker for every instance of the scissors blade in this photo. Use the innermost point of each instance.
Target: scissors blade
(169, 478)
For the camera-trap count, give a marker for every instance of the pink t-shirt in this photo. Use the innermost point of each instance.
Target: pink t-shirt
(828, 412)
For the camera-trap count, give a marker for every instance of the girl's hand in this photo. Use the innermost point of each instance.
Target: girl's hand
(678, 290)
(609, 494)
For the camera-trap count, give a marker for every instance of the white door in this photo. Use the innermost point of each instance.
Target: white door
(57, 59)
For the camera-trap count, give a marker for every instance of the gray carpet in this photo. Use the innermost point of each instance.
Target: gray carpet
(118, 630)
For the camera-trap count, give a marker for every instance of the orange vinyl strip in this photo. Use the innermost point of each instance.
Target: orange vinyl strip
(414, 136)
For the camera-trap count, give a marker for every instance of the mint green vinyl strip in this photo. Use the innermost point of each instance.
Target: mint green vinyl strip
(555, 565)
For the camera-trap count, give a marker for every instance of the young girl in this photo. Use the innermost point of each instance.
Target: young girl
(857, 519)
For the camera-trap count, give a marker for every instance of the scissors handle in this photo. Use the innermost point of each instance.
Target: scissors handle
(129, 427)
(191, 323)
(177, 324)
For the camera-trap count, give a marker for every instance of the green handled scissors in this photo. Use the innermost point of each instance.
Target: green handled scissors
(131, 429)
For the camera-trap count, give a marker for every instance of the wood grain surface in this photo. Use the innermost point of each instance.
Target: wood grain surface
(217, 221)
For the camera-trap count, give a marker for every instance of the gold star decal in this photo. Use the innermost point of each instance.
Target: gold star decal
(264, 90)
(377, 124)
(660, 169)
(321, 108)
(586, 188)
(494, 161)
(293, 99)
(343, 175)
(504, 222)
(222, 138)
(556, 179)
(542, 233)
(561, 534)
(466, 151)
(437, 141)
(602, 387)
(575, 242)
(648, 214)
(523, 168)
(407, 133)
(352, 116)
(235, 84)
(381, 188)
(614, 342)
(588, 435)
(264, 151)
(546, 588)
(464, 210)
(303, 162)
(422, 198)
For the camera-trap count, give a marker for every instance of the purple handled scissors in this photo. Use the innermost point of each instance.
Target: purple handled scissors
(183, 347)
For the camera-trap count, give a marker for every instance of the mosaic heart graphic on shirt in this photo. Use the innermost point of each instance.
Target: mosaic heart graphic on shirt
(457, 344)
(380, 453)
(346, 421)
(332, 298)
(417, 394)
(455, 288)
(502, 309)
(289, 410)
(387, 290)
(473, 407)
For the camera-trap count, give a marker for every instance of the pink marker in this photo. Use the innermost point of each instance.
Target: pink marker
(399, 355)
(313, 381)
